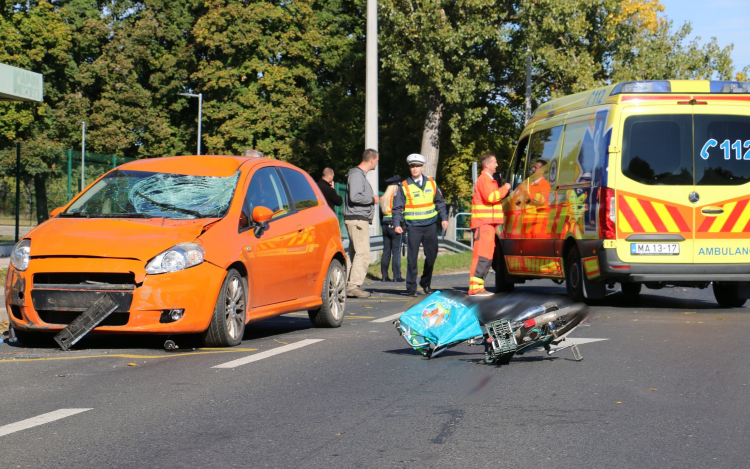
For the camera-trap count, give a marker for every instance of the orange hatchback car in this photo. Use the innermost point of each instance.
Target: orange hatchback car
(188, 244)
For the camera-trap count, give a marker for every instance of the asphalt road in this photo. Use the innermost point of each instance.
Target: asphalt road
(668, 387)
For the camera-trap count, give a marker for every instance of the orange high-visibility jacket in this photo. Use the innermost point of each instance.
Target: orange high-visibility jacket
(486, 206)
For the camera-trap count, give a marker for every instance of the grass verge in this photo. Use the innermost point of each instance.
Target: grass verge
(445, 264)
(7, 239)
(3, 273)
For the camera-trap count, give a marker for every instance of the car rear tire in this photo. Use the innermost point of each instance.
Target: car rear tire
(331, 312)
(630, 289)
(574, 275)
(501, 271)
(228, 322)
(728, 295)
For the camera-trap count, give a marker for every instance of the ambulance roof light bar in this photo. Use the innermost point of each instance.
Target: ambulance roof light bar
(664, 86)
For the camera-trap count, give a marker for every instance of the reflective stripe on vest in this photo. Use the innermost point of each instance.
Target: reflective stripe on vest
(388, 212)
(425, 209)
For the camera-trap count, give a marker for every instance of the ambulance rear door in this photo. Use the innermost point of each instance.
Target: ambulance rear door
(654, 183)
(722, 183)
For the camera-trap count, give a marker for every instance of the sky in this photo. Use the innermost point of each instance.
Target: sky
(727, 20)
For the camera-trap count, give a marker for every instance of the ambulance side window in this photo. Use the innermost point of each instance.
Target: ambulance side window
(544, 150)
(516, 172)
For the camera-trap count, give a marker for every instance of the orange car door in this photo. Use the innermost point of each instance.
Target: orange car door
(273, 269)
(310, 213)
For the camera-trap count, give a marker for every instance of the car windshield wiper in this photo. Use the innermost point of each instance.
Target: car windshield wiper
(171, 207)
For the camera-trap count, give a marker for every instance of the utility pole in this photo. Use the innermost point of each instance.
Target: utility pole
(528, 85)
(83, 155)
(371, 96)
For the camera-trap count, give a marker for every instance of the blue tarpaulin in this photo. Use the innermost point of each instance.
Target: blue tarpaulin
(440, 319)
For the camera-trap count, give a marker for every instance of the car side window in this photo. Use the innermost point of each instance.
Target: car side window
(266, 190)
(518, 164)
(302, 194)
(543, 152)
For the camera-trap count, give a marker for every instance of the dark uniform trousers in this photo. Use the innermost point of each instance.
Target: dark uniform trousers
(427, 237)
(391, 246)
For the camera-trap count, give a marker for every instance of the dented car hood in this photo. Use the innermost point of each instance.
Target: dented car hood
(115, 238)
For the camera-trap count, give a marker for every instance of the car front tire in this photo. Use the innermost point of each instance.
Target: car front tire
(228, 322)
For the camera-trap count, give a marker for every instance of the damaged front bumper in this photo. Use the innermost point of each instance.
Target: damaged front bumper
(52, 292)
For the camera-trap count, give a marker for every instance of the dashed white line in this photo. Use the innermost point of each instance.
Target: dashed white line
(388, 318)
(268, 353)
(38, 420)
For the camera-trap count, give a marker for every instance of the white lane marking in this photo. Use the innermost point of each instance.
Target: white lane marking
(39, 420)
(268, 353)
(577, 341)
(388, 318)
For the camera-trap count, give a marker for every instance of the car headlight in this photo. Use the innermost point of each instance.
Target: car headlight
(176, 258)
(21, 254)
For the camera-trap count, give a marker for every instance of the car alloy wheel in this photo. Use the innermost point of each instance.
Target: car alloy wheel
(234, 308)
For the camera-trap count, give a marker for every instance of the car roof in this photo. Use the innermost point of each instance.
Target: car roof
(203, 165)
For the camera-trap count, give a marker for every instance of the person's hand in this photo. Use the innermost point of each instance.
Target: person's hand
(376, 199)
(444, 224)
(398, 230)
(332, 184)
(507, 186)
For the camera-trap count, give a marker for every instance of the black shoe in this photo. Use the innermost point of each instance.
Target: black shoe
(386, 279)
(428, 290)
(400, 279)
(411, 293)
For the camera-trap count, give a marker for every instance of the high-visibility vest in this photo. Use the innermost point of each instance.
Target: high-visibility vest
(388, 212)
(420, 203)
(486, 206)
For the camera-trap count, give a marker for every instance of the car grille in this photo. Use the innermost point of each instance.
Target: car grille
(59, 298)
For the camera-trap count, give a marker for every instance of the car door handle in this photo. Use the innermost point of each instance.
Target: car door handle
(712, 211)
(300, 229)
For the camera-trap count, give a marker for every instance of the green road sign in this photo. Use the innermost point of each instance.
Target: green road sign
(17, 84)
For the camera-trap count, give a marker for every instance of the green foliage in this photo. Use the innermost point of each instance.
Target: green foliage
(287, 77)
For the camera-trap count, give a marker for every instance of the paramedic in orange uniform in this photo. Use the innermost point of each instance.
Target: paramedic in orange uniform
(538, 210)
(486, 215)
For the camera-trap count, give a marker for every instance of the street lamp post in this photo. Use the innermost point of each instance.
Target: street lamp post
(371, 94)
(200, 111)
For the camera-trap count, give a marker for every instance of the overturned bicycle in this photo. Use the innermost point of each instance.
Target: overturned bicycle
(507, 325)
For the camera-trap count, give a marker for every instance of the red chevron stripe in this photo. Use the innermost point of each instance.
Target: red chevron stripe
(706, 225)
(653, 216)
(678, 219)
(630, 216)
(738, 209)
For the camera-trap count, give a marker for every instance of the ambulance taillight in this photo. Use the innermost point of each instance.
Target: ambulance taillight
(607, 213)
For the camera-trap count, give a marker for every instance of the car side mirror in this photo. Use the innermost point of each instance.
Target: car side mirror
(55, 212)
(261, 215)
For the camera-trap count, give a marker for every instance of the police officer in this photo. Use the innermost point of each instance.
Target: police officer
(416, 206)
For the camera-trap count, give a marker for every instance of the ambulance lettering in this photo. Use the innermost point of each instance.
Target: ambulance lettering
(719, 251)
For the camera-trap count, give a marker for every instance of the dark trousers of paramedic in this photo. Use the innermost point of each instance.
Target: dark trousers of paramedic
(391, 248)
(427, 237)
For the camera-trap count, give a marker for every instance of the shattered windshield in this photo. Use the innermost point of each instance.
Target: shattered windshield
(141, 194)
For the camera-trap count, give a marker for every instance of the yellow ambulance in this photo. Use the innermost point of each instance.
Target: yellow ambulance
(640, 184)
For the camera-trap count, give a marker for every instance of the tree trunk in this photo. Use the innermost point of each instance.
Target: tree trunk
(431, 134)
(40, 188)
(452, 211)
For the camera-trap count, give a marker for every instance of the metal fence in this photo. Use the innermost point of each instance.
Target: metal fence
(34, 181)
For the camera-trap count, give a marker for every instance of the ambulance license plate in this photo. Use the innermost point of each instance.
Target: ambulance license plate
(655, 249)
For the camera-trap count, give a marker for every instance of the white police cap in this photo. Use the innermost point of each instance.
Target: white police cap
(416, 158)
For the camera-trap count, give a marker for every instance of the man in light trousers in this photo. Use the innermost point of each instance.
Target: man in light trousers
(359, 208)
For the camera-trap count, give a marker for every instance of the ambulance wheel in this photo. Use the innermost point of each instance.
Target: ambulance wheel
(331, 311)
(574, 275)
(630, 289)
(728, 295)
(502, 285)
(228, 321)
